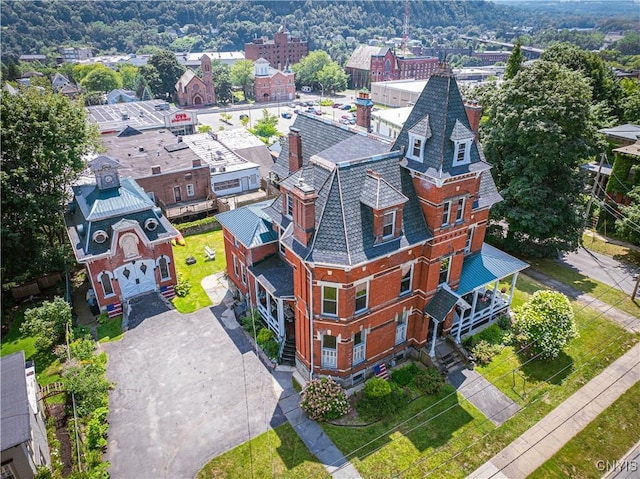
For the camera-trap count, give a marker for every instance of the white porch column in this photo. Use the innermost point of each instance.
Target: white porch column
(493, 298)
(281, 330)
(460, 325)
(513, 286)
(432, 352)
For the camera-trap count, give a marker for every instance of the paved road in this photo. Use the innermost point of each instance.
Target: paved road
(186, 390)
(602, 268)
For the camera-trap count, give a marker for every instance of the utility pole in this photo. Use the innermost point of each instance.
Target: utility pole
(635, 288)
(603, 156)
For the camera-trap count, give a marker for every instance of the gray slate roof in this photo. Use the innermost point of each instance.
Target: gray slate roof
(441, 303)
(275, 275)
(442, 103)
(99, 204)
(250, 225)
(14, 403)
(378, 194)
(325, 134)
(361, 57)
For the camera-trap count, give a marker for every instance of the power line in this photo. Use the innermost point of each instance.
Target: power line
(453, 393)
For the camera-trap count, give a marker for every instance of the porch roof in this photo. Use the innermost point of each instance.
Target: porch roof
(275, 275)
(441, 304)
(485, 267)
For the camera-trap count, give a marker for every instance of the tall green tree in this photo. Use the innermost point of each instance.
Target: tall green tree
(129, 73)
(102, 79)
(169, 71)
(242, 75)
(332, 78)
(47, 324)
(538, 134)
(44, 139)
(515, 61)
(606, 89)
(308, 68)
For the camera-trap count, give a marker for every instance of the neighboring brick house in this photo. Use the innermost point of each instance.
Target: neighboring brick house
(193, 90)
(271, 85)
(370, 64)
(24, 433)
(170, 172)
(281, 52)
(117, 231)
(379, 249)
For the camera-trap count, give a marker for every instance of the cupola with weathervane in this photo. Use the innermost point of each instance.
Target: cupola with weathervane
(106, 170)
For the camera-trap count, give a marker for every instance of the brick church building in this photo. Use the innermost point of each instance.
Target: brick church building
(193, 90)
(374, 250)
(116, 230)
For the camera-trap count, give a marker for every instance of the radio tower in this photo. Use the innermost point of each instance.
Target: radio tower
(405, 26)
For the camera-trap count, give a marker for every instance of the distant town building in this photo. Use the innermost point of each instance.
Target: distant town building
(121, 96)
(193, 60)
(193, 90)
(370, 64)
(74, 54)
(33, 58)
(142, 115)
(22, 421)
(281, 52)
(273, 85)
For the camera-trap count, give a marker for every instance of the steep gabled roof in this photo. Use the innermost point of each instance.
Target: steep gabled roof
(361, 57)
(250, 225)
(440, 105)
(378, 194)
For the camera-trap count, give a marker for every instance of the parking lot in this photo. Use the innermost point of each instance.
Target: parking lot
(255, 113)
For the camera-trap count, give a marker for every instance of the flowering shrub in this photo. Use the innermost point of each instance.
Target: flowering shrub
(324, 399)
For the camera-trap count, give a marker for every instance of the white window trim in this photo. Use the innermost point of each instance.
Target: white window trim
(467, 152)
(393, 224)
(243, 274)
(289, 214)
(408, 291)
(366, 296)
(191, 191)
(235, 265)
(324, 313)
(334, 356)
(402, 322)
(448, 270)
(469, 242)
(460, 212)
(362, 346)
(446, 213)
(410, 155)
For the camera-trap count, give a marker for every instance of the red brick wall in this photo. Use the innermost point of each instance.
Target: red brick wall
(162, 184)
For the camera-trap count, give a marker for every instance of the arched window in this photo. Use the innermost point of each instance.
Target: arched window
(104, 279)
(129, 245)
(163, 264)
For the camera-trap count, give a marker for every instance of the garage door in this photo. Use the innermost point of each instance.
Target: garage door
(136, 278)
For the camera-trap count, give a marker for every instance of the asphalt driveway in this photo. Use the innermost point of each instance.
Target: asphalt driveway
(187, 389)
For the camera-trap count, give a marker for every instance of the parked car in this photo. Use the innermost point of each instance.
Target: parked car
(286, 114)
(318, 112)
(243, 116)
(311, 109)
(337, 105)
(345, 107)
(297, 111)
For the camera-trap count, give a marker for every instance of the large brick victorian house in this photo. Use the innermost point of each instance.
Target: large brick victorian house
(374, 250)
(121, 236)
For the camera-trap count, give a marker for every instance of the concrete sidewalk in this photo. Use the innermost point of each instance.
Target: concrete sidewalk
(544, 439)
(311, 433)
(627, 321)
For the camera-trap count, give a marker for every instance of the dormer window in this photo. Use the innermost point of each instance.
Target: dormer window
(388, 225)
(289, 205)
(462, 153)
(417, 148)
(418, 135)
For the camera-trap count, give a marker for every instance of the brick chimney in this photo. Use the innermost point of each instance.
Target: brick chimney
(155, 170)
(363, 109)
(474, 113)
(295, 150)
(304, 211)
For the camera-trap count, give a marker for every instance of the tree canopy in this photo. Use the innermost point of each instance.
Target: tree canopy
(545, 324)
(332, 78)
(242, 74)
(102, 79)
(515, 61)
(44, 140)
(168, 70)
(308, 67)
(538, 134)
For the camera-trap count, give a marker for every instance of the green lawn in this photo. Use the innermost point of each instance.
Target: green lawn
(277, 453)
(195, 244)
(587, 285)
(459, 441)
(111, 330)
(607, 438)
(621, 253)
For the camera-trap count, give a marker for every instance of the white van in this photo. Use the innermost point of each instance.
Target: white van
(306, 89)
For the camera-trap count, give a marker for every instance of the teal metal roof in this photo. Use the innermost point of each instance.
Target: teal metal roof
(441, 303)
(250, 225)
(485, 267)
(99, 204)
